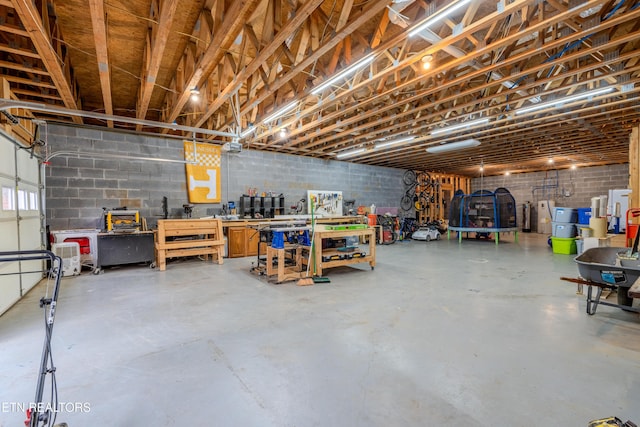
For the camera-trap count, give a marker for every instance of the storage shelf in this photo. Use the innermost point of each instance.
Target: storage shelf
(266, 206)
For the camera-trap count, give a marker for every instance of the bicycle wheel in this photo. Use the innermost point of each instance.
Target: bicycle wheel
(406, 202)
(423, 201)
(409, 177)
(424, 179)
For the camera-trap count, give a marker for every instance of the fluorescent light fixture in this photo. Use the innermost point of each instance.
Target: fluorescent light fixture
(394, 142)
(460, 126)
(271, 117)
(561, 101)
(467, 143)
(431, 19)
(344, 154)
(344, 73)
(247, 131)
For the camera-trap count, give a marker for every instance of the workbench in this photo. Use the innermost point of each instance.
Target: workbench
(337, 258)
(243, 234)
(276, 260)
(280, 270)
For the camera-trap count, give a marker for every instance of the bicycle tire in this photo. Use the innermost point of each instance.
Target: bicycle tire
(406, 202)
(424, 179)
(423, 202)
(409, 177)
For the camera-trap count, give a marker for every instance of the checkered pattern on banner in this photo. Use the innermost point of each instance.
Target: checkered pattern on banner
(203, 158)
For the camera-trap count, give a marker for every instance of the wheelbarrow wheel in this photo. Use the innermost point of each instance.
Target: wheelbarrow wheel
(623, 298)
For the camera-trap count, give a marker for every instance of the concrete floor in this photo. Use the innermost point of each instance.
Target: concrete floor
(440, 333)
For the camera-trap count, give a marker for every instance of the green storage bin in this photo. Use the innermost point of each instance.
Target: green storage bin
(564, 245)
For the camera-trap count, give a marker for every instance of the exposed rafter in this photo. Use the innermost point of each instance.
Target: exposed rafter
(228, 31)
(58, 67)
(156, 42)
(300, 16)
(100, 38)
(248, 58)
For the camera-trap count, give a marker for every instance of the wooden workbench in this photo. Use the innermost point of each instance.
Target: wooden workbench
(243, 236)
(279, 269)
(321, 232)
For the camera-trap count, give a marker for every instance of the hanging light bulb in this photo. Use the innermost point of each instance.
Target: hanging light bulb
(195, 94)
(283, 133)
(426, 61)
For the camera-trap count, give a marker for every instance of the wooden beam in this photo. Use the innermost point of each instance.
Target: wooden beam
(34, 94)
(344, 14)
(23, 81)
(40, 36)
(380, 30)
(156, 47)
(486, 21)
(96, 7)
(23, 68)
(367, 15)
(14, 30)
(21, 52)
(234, 20)
(290, 27)
(634, 167)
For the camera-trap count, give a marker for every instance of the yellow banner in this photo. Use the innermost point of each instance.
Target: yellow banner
(203, 177)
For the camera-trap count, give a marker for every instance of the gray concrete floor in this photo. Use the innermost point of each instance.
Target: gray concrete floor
(440, 333)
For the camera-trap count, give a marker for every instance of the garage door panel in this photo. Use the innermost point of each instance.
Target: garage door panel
(19, 221)
(27, 167)
(29, 279)
(30, 234)
(9, 240)
(7, 157)
(9, 285)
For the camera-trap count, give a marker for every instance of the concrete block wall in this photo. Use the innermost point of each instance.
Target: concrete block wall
(78, 188)
(568, 188)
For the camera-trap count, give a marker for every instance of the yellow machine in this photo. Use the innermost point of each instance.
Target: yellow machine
(611, 421)
(122, 220)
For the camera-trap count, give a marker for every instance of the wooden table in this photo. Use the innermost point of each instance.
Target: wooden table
(283, 272)
(343, 258)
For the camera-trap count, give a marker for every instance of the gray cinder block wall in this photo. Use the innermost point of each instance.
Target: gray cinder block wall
(568, 188)
(78, 188)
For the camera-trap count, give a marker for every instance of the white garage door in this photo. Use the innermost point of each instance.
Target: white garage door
(19, 220)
